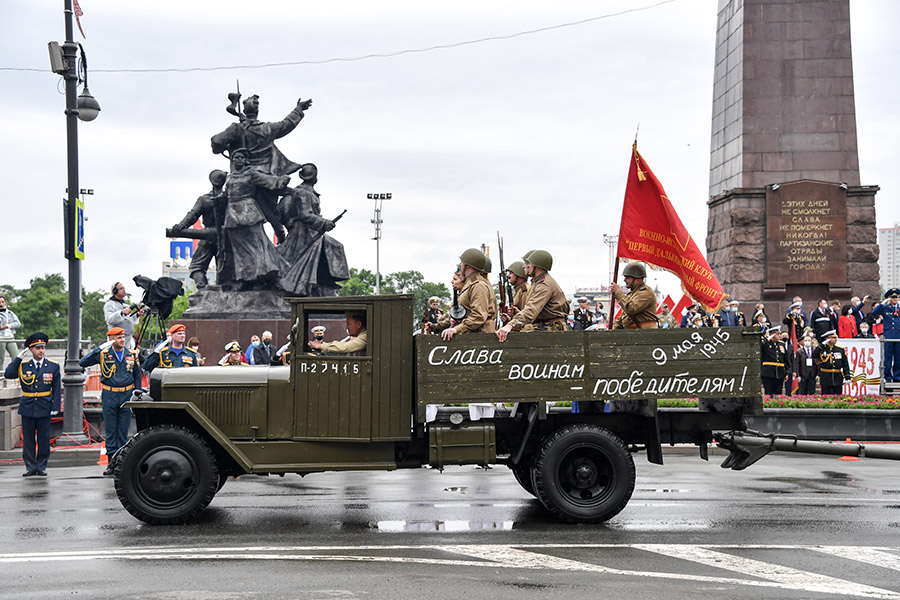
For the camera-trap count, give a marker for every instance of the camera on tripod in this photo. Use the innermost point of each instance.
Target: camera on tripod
(159, 296)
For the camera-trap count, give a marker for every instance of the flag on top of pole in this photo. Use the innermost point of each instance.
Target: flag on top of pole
(78, 14)
(651, 232)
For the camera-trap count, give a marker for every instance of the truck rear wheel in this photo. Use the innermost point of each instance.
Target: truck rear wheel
(522, 473)
(584, 474)
(166, 475)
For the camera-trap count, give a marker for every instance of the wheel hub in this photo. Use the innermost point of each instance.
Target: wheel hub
(166, 476)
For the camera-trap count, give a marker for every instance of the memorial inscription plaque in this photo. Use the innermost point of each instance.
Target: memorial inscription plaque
(806, 233)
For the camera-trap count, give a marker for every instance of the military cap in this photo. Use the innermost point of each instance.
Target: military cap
(434, 299)
(892, 293)
(734, 303)
(773, 329)
(318, 328)
(830, 333)
(233, 346)
(38, 338)
(797, 304)
(697, 317)
(177, 327)
(115, 331)
(583, 299)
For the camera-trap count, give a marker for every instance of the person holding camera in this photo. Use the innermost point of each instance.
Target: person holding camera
(119, 313)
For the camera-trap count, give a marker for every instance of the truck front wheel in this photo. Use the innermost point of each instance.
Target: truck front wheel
(166, 475)
(584, 474)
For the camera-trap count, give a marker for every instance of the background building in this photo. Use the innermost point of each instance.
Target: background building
(889, 260)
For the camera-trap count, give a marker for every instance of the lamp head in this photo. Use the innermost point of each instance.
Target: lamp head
(88, 107)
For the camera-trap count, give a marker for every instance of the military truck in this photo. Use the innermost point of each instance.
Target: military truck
(409, 401)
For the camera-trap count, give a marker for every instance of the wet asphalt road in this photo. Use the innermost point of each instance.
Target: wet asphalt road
(788, 527)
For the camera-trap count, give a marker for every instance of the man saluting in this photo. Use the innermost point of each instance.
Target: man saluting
(41, 394)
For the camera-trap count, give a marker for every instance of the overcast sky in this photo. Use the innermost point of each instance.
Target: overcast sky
(529, 135)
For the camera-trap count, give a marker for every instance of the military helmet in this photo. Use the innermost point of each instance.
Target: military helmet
(308, 172)
(540, 258)
(526, 255)
(517, 268)
(488, 265)
(635, 269)
(217, 177)
(476, 259)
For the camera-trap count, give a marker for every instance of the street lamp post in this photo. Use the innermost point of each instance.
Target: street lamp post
(613, 242)
(86, 108)
(376, 220)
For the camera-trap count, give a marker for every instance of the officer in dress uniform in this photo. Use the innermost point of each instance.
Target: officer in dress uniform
(583, 316)
(795, 318)
(832, 364)
(171, 353)
(433, 312)
(234, 357)
(41, 395)
(639, 306)
(889, 310)
(775, 361)
(120, 375)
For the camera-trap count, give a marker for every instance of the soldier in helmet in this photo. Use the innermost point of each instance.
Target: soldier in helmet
(639, 305)
(476, 296)
(208, 209)
(547, 306)
(519, 281)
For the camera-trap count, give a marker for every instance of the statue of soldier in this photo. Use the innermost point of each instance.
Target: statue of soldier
(258, 137)
(317, 261)
(210, 209)
(253, 260)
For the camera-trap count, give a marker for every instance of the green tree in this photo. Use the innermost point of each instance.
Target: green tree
(180, 304)
(93, 323)
(413, 282)
(361, 283)
(43, 306)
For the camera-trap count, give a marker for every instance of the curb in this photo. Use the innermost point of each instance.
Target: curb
(59, 457)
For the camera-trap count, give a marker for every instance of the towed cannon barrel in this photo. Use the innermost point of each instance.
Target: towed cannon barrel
(748, 447)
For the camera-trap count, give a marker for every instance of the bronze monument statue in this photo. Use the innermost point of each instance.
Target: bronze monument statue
(253, 275)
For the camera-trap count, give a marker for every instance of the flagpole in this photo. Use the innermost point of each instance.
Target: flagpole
(612, 297)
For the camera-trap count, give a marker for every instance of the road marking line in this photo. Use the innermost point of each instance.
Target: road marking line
(871, 556)
(788, 577)
(528, 556)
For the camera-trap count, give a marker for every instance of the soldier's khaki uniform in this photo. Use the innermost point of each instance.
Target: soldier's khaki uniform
(520, 294)
(546, 307)
(356, 344)
(477, 297)
(638, 309)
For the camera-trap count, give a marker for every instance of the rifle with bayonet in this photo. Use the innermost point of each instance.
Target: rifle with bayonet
(506, 291)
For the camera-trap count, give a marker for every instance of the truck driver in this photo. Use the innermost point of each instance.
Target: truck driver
(356, 342)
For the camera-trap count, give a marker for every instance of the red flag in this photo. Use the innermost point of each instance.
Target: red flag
(652, 232)
(795, 380)
(78, 14)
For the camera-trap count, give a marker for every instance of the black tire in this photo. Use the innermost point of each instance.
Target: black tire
(166, 475)
(522, 473)
(583, 474)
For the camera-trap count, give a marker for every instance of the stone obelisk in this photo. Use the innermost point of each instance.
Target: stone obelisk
(787, 213)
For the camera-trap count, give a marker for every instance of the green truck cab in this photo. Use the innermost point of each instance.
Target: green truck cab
(409, 401)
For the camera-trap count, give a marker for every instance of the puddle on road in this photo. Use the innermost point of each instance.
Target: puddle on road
(442, 526)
